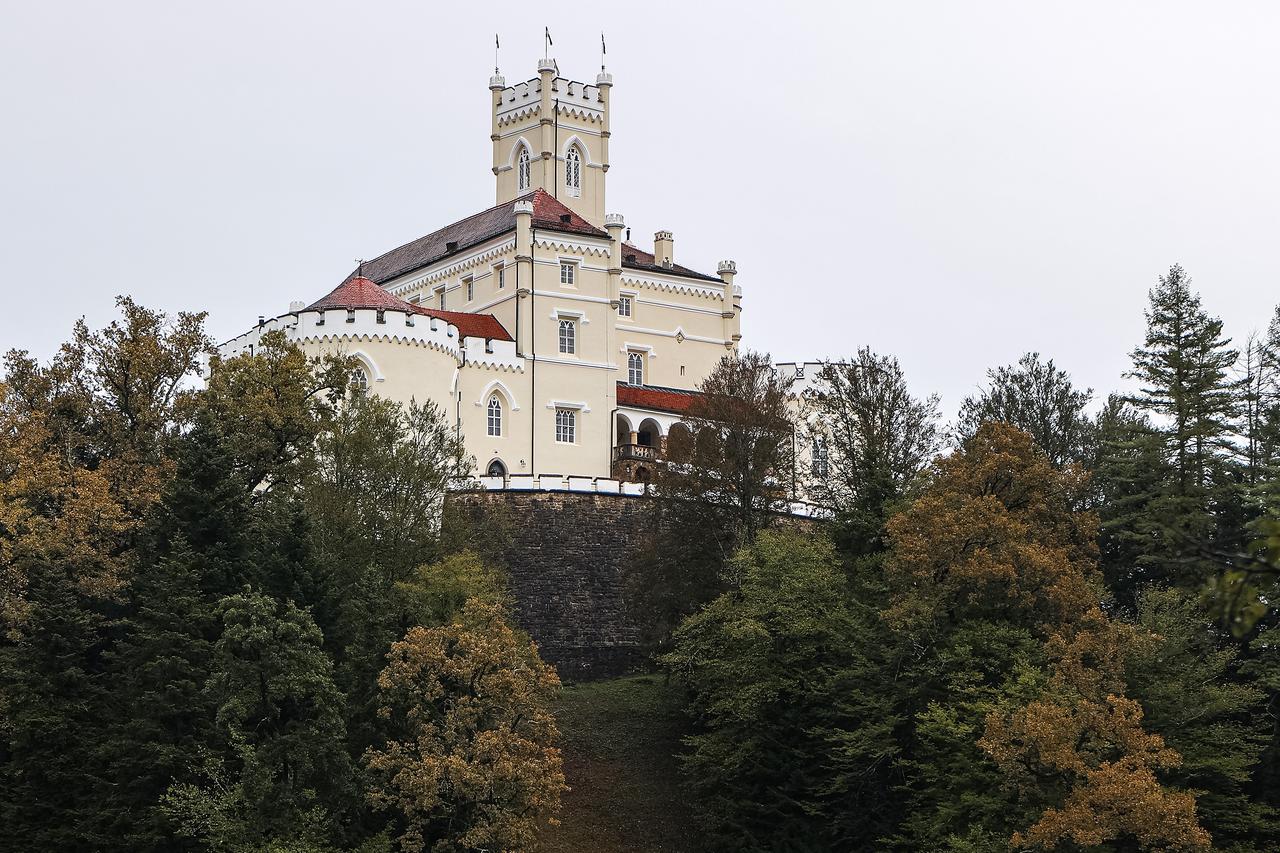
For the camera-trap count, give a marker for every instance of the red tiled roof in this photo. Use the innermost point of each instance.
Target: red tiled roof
(656, 397)
(362, 293)
(548, 214)
(470, 325)
(637, 258)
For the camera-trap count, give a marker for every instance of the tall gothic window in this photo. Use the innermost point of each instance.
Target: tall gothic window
(820, 464)
(495, 415)
(573, 170)
(635, 368)
(522, 169)
(359, 381)
(568, 336)
(566, 426)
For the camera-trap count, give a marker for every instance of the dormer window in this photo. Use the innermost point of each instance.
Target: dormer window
(573, 171)
(522, 169)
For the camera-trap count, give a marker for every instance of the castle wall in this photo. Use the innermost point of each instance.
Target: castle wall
(566, 556)
(570, 543)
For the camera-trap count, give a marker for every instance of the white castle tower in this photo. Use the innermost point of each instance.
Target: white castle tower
(552, 133)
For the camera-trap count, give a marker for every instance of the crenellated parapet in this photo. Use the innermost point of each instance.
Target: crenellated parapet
(345, 325)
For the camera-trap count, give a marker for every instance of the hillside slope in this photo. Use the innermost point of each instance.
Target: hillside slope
(619, 739)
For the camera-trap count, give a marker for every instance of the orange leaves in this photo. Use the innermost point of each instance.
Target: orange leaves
(996, 537)
(477, 767)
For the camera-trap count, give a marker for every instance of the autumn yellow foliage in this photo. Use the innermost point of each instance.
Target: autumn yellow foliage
(997, 533)
(475, 766)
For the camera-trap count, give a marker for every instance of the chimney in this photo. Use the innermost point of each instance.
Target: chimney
(663, 249)
(296, 305)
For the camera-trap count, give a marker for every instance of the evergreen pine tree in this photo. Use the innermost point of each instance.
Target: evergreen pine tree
(1183, 368)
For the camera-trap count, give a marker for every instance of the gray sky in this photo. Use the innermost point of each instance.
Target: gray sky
(952, 183)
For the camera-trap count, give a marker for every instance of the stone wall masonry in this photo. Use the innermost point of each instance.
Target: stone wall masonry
(566, 556)
(567, 552)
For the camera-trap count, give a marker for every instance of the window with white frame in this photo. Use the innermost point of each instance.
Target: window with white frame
(359, 381)
(471, 288)
(573, 170)
(568, 273)
(440, 297)
(495, 415)
(819, 464)
(635, 368)
(568, 336)
(502, 276)
(566, 426)
(624, 306)
(522, 169)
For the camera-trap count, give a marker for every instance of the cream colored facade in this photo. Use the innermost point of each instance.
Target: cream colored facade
(550, 265)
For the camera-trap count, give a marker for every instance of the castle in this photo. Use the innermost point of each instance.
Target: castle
(561, 349)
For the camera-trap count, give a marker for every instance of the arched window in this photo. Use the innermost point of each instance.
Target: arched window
(635, 368)
(573, 170)
(522, 169)
(359, 382)
(496, 469)
(568, 336)
(820, 464)
(495, 415)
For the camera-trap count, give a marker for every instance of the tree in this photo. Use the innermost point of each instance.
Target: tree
(83, 444)
(1189, 684)
(716, 490)
(1038, 398)
(738, 466)
(996, 539)
(472, 763)
(286, 773)
(1183, 368)
(877, 439)
(794, 723)
(272, 405)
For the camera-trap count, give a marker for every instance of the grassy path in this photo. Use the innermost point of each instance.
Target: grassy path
(619, 739)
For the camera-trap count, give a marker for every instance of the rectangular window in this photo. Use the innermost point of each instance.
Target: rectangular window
(568, 336)
(566, 426)
(416, 298)
(471, 289)
(568, 272)
(624, 306)
(440, 293)
(502, 277)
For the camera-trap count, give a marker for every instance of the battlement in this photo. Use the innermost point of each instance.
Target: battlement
(524, 99)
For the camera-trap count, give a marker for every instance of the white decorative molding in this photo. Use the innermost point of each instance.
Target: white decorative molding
(577, 405)
(501, 387)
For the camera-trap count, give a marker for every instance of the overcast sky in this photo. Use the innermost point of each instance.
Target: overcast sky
(952, 183)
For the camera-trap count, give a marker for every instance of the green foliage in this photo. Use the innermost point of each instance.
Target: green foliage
(791, 725)
(280, 716)
(438, 591)
(877, 440)
(1038, 398)
(1185, 679)
(955, 796)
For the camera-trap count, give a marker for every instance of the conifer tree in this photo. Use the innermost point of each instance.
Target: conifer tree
(1183, 368)
(793, 709)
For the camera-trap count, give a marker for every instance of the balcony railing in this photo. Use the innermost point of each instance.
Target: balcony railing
(636, 452)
